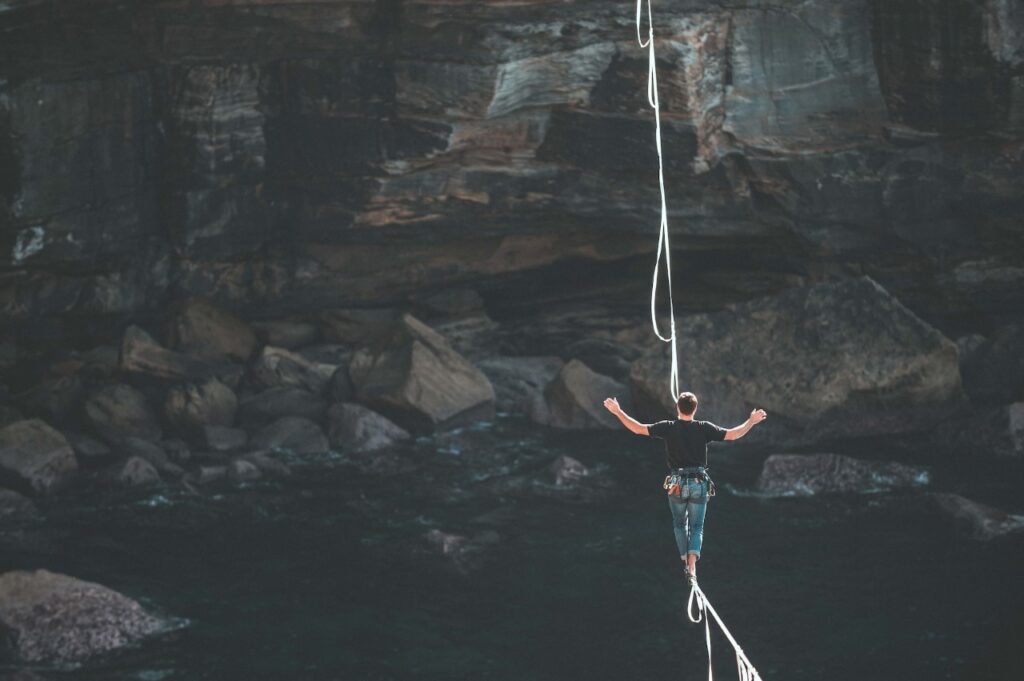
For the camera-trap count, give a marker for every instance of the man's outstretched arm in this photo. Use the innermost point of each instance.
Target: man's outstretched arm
(634, 426)
(739, 431)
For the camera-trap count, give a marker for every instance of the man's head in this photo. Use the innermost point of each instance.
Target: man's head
(686, 405)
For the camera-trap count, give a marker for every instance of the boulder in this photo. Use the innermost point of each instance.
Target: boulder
(465, 553)
(354, 427)
(36, 456)
(806, 474)
(151, 452)
(284, 333)
(57, 618)
(206, 475)
(88, 450)
(275, 403)
(241, 470)
(116, 411)
(566, 470)
(575, 399)
(416, 378)
(200, 327)
(221, 439)
(603, 356)
(831, 360)
(977, 521)
(292, 433)
(519, 381)
(280, 367)
(141, 354)
(267, 463)
(137, 472)
(191, 406)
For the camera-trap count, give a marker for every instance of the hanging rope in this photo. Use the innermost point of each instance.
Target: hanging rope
(663, 245)
(697, 598)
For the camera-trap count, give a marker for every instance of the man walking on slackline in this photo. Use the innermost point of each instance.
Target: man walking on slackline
(686, 452)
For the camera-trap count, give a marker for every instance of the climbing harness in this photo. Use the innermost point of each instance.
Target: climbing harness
(663, 245)
(703, 610)
(674, 481)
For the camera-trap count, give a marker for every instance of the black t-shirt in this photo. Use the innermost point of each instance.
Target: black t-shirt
(686, 442)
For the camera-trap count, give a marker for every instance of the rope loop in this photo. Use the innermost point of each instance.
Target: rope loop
(664, 249)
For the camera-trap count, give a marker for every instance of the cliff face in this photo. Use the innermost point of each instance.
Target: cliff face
(290, 156)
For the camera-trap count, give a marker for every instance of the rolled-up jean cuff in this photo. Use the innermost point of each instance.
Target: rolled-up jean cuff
(693, 553)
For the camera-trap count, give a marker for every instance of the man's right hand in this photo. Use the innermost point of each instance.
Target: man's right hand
(757, 416)
(612, 405)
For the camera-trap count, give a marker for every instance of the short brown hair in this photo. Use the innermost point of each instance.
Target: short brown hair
(686, 404)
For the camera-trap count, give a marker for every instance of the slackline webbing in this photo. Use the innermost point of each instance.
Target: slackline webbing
(746, 670)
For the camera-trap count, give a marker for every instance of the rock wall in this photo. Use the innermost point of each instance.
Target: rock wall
(290, 156)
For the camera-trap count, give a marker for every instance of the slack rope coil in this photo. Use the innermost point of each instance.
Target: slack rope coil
(663, 244)
(744, 667)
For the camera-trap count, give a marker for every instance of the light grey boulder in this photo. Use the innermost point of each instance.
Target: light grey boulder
(807, 474)
(36, 455)
(137, 472)
(354, 427)
(519, 381)
(414, 377)
(977, 521)
(142, 354)
(241, 470)
(831, 360)
(292, 433)
(191, 406)
(575, 399)
(280, 367)
(56, 618)
(566, 470)
(268, 463)
(116, 411)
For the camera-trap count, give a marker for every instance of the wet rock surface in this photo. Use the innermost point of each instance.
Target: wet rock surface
(805, 474)
(978, 521)
(417, 378)
(574, 399)
(57, 618)
(357, 428)
(36, 456)
(835, 360)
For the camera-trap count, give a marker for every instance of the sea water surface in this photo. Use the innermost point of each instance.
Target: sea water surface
(327, 575)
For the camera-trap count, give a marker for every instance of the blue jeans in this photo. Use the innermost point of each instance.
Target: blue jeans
(688, 511)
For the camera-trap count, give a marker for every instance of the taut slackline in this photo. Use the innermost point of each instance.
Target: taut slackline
(703, 610)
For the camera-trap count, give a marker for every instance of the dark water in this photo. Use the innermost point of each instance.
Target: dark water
(327, 576)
